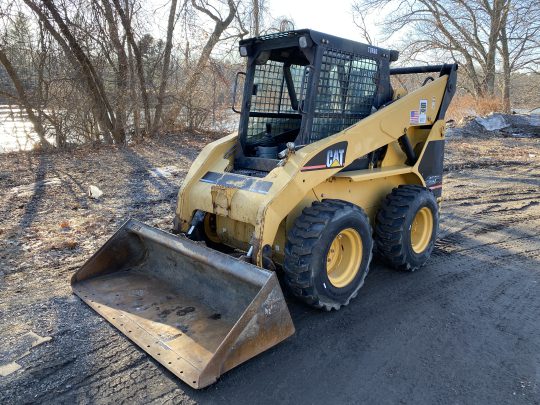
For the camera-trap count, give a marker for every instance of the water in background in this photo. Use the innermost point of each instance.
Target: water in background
(16, 130)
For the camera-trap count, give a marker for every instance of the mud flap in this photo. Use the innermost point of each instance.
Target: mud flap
(196, 311)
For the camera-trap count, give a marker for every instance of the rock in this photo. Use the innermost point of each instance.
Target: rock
(522, 135)
(534, 120)
(94, 192)
(517, 120)
(493, 122)
(453, 133)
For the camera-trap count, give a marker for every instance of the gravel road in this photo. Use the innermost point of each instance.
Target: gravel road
(464, 329)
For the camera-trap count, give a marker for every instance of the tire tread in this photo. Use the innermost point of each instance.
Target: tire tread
(389, 224)
(301, 241)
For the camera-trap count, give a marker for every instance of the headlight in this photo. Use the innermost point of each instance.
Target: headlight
(243, 51)
(302, 41)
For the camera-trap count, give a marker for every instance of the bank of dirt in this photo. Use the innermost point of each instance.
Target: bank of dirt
(463, 329)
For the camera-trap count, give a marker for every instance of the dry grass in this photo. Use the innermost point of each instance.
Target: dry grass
(466, 105)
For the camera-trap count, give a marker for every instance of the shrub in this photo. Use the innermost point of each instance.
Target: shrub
(466, 105)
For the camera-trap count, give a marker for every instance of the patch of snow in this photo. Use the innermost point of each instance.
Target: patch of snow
(26, 190)
(165, 171)
(492, 122)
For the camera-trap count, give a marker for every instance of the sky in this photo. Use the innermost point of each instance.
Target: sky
(332, 17)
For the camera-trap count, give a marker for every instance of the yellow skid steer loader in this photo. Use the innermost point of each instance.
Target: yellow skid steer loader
(329, 164)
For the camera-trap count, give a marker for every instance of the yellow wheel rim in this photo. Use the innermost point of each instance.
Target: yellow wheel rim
(421, 230)
(344, 258)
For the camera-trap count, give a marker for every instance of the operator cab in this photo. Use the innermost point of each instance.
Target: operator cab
(302, 86)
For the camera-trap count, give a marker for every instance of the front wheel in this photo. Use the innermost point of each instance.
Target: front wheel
(328, 253)
(206, 231)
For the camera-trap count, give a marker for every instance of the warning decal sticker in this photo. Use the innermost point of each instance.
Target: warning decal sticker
(422, 119)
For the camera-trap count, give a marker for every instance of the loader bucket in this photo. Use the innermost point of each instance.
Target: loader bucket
(196, 311)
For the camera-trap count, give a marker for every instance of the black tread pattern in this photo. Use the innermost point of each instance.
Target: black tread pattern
(388, 228)
(301, 240)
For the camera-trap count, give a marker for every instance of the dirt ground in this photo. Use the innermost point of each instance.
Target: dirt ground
(463, 329)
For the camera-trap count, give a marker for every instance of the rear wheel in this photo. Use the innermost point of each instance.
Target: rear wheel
(327, 254)
(406, 227)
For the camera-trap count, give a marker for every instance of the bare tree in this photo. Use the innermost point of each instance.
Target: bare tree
(359, 19)
(220, 24)
(122, 71)
(166, 66)
(519, 41)
(90, 71)
(126, 23)
(81, 61)
(471, 32)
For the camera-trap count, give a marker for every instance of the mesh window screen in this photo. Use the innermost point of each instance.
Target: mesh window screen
(273, 98)
(345, 94)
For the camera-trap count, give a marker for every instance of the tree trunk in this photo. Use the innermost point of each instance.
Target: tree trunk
(256, 18)
(166, 66)
(495, 26)
(134, 96)
(507, 69)
(477, 83)
(138, 62)
(121, 74)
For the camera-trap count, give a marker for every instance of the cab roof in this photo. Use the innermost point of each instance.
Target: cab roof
(290, 38)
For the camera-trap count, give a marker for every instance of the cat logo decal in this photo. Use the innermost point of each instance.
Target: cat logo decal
(329, 158)
(335, 158)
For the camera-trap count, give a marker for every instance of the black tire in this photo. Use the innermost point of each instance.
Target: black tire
(307, 247)
(205, 232)
(393, 227)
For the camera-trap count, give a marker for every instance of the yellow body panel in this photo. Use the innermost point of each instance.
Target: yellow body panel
(266, 218)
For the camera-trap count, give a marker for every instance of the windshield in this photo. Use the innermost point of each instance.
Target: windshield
(273, 110)
(343, 94)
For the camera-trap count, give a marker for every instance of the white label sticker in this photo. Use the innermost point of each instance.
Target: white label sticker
(372, 50)
(422, 118)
